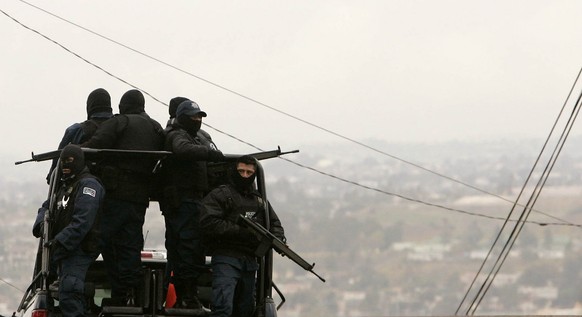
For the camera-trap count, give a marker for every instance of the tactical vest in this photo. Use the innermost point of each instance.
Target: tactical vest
(130, 178)
(88, 128)
(236, 205)
(64, 215)
(183, 179)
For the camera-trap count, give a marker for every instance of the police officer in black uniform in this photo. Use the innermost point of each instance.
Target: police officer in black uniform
(73, 235)
(185, 183)
(202, 135)
(98, 110)
(232, 246)
(128, 182)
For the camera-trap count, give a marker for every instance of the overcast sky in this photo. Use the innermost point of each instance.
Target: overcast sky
(401, 71)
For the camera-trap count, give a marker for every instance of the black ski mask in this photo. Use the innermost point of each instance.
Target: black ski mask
(174, 103)
(132, 102)
(72, 159)
(240, 182)
(98, 101)
(186, 110)
(192, 126)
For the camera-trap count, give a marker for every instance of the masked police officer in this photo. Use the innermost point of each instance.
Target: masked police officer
(128, 183)
(185, 183)
(73, 237)
(98, 110)
(232, 246)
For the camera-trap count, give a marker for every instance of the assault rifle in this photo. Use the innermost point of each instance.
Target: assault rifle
(268, 240)
(89, 152)
(260, 155)
(217, 171)
(92, 153)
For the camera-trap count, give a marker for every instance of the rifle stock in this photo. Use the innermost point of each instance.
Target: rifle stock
(268, 240)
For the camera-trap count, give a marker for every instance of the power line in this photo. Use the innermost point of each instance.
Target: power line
(11, 285)
(472, 307)
(418, 200)
(390, 193)
(81, 57)
(531, 202)
(563, 222)
(501, 259)
(346, 138)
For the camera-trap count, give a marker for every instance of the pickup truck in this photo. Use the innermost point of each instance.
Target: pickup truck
(41, 300)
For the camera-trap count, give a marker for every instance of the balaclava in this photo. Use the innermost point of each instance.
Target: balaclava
(242, 183)
(132, 102)
(98, 101)
(76, 165)
(174, 103)
(185, 111)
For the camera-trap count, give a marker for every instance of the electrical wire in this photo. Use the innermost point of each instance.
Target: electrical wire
(527, 209)
(384, 192)
(519, 196)
(519, 221)
(346, 138)
(563, 222)
(526, 212)
(483, 288)
(11, 285)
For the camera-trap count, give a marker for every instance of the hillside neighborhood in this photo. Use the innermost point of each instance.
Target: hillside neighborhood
(381, 252)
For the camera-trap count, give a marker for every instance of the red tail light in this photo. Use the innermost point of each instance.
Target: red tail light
(153, 255)
(40, 313)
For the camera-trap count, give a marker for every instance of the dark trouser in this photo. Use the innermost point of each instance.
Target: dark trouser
(233, 286)
(121, 244)
(72, 272)
(185, 252)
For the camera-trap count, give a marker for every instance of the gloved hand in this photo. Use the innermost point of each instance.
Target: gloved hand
(58, 252)
(246, 234)
(51, 244)
(215, 156)
(37, 230)
(38, 227)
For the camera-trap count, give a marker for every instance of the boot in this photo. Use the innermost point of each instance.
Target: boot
(186, 296)
(179, 289)
(131, 298)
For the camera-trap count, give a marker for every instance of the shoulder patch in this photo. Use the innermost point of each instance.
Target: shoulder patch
(89, 191)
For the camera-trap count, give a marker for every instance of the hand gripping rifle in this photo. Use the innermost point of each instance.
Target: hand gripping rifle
(268, 240)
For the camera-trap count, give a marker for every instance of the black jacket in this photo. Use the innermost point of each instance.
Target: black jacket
(185, 173)
(79, 133)
(218, 221)
(76, 217)
(127, 178)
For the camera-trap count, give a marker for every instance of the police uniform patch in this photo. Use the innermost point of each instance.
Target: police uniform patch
(89, 191)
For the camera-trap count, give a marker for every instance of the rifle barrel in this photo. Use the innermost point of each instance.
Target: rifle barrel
(279, 245)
